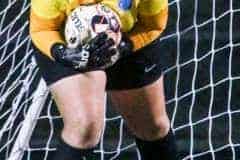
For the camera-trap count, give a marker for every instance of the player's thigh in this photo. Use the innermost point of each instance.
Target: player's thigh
(143, 109)
(80, 97)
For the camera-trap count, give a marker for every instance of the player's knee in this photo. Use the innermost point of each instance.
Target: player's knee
(156, 129)
(161, 126)
(85, 134)
(84, 128)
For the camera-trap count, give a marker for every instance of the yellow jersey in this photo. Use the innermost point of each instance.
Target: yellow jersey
(142, 20)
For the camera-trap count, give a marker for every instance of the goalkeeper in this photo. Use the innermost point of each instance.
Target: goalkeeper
(134, 81)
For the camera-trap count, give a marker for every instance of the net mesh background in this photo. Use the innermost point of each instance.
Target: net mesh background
(200, 52)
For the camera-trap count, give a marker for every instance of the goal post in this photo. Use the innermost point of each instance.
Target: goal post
(29, 123)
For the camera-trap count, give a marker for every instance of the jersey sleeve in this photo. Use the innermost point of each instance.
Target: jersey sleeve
(152, 20)
(46, 18)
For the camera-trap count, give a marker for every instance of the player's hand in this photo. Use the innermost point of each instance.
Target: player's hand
(97, 54)
(125, 47)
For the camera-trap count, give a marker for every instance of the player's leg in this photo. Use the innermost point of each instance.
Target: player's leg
(80, 100)
(136, 85)
(145, 113)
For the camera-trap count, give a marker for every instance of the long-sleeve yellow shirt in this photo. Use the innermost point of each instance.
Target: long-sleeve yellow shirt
(142, 20)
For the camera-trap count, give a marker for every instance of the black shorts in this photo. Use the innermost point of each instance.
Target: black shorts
(135, 71)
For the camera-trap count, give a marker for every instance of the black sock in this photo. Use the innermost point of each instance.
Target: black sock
(162, 149)
(66, 152)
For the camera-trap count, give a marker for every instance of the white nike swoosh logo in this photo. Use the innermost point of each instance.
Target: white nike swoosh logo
(148, 69)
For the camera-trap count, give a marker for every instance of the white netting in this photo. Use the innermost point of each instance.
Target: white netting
(201, 49)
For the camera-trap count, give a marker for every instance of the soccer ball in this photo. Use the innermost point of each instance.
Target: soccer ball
(86, 21)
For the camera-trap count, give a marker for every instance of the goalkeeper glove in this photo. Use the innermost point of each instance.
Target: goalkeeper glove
(125, 47)
(98, 53)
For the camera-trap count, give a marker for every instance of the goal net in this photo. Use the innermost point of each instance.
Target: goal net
(201, 56)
